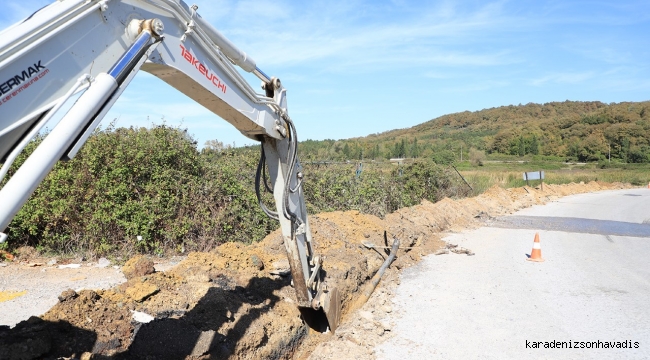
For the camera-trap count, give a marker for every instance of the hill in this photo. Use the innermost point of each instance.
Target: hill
(579, 131)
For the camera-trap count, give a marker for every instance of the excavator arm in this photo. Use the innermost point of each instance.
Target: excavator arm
(96, 47)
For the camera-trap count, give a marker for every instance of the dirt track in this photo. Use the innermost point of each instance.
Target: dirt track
(227, 304)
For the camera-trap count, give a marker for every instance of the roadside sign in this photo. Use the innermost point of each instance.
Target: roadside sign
(534, 175)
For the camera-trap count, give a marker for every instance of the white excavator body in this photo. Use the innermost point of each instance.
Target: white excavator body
(96, 47)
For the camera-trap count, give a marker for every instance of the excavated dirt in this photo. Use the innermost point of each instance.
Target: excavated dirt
(237, 301)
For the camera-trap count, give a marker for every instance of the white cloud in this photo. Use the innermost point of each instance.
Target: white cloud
(478, 86)
(564, 78)
(353, 35)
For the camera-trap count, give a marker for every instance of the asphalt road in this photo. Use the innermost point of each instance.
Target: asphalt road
(592, 289)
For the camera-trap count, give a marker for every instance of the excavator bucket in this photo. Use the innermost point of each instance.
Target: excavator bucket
(331, 304)
(328, 315)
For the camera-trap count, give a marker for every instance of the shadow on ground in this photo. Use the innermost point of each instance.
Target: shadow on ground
(171, 335)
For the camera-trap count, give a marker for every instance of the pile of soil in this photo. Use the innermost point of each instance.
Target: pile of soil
(237, 301)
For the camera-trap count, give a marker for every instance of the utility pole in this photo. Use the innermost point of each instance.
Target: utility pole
(461, 153)
(609, 152)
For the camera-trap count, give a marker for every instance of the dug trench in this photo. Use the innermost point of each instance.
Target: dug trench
(237, 302)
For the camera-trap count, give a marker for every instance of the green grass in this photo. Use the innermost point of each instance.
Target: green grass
(510, 174)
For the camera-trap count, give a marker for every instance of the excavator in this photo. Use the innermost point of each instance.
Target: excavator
(92, 49)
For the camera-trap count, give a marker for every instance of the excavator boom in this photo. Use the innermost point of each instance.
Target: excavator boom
(96, 47)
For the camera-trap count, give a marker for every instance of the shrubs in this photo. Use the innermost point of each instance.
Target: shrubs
(476, 157)
(378, 190)
(126, 189)
(151, 191)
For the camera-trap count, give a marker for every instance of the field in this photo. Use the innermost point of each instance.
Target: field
(509, 174)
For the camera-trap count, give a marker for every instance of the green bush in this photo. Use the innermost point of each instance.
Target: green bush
(124, 184)
(378, 190)
(141, 190)
(443, 157)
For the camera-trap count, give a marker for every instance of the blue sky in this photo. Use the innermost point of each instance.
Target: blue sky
(355, 67)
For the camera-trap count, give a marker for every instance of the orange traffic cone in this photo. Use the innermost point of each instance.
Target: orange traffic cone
(536, 254)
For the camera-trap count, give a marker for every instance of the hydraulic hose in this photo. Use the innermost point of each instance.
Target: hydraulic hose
(258, 175)
(293, 150)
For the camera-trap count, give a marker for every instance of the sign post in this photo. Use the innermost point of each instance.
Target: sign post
(535, 175)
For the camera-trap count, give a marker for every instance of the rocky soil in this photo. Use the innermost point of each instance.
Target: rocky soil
(237, 301)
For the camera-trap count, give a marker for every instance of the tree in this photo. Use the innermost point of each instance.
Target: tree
(476, 157)
(415, 149)
(624, 148)
(346, 151)
(443, 157)
(636, 155)
(534, 146)
(501, 142)
(215, 146)
(399, 151)
(574, 150)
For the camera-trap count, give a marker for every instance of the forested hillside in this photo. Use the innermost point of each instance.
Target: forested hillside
(579, 131)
